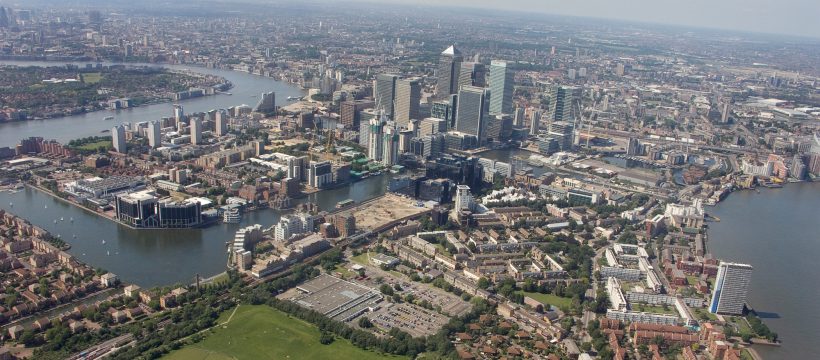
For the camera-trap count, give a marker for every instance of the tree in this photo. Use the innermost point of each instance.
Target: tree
(28, 338)
(365, 323)
(326, 338)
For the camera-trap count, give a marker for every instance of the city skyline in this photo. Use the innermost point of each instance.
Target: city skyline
(403, 180)
(793, 18)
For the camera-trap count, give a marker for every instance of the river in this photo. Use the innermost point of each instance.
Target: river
(157, 257)
(778, 232)
(247, 89)
(152, 257)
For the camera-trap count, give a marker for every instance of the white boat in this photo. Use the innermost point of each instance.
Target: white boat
(72, 219)
(61, 219)
(108, 253)
(11, 204)
(55, 221)
(103, 241)
(46, 206)
(108, 118)
(74, 236)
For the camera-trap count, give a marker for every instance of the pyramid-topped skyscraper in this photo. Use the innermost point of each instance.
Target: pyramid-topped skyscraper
(448, 71)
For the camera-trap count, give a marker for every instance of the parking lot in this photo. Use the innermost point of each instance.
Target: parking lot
(413, 320)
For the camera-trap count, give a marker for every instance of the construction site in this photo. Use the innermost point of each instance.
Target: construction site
(386, 210)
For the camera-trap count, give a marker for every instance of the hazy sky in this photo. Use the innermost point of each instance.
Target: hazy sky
(796, 17)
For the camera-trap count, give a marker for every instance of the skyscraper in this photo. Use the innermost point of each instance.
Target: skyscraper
(562, 100)
(385, 92)
(375, 142)
(501, 88)
(472, 74)
(464, 199)
(118, 139)
(179, 113)
(267, 103)
(406, 104)
(471, 112)
(221, 122)
(196, 131)
(535, 122)
(518, 117)
(154, 134)
(449, 66)
(445, 109)
(350, 112)
(731, 287)
(390, 148)
(565, 132)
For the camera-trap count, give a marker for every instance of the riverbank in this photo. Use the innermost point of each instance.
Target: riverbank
(246, 89)
(47, 92)
(775, 230)
(756, 190)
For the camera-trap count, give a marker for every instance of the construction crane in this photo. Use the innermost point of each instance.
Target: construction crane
(580, 123)
(329, 145)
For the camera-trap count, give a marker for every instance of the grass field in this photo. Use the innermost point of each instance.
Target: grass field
(262, 332)
(739, 323)
(361, 259)
(670, 310)
(550, 299)
(343, 270)
(700, 312)
(92, 78)
(95, 145)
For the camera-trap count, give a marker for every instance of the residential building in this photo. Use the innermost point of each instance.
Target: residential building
(731, 287)
(118, 139)
(267, 103)
(154, 135)
(196, 131)
(221, 122)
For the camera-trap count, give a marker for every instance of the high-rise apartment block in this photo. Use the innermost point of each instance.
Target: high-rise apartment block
(196, 131)
(731, 287)
(154, 134)
(118, 139)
